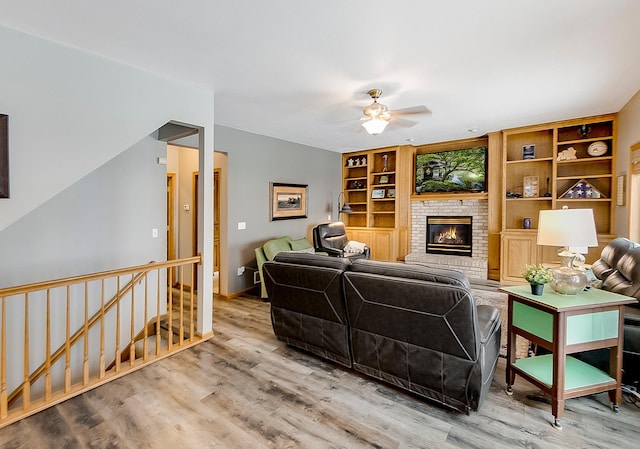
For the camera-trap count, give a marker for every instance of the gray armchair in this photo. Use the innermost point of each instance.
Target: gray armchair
(332, 239)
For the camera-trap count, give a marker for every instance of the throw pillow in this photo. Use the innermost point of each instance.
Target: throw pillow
(354, 247)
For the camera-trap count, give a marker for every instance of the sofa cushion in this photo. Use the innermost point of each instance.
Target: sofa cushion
(301, 245)
(307, 303)
(411, 270)
(626, 277)
(275, 246)
(610, 256)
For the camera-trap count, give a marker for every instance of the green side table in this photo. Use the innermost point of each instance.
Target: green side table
(565, 325)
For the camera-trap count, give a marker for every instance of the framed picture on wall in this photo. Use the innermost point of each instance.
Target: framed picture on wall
(4, 156)
(288, 201)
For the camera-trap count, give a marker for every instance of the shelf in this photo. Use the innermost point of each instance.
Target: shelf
(382, 185)
(577, 373)
(536, 198)
(592, 139)
(567, 178)
(580, 200)
(382, 173)
(527, 161)
(355, 190)
(382, 199)
(585, 159)
(356, 178)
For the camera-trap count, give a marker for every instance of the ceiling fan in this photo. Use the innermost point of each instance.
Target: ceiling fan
(377, 116)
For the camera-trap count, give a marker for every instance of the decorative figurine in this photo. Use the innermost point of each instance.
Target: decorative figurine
(567, 155)
(350, 162)
(363, 161)
(385, 158)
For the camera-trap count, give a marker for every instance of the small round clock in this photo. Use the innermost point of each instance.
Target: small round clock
(598, 148)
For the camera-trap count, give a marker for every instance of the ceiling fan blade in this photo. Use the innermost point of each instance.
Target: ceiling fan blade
(413, 110)
(402, 122)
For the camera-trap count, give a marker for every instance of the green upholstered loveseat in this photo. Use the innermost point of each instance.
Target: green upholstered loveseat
(272, 247)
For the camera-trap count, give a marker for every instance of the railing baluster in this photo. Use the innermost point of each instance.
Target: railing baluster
(85, 360)
(102, 318)
(145, 336)
(170, 313)
(118, 350)
(181, 323)
(191, 304)
(158, 337)
(26, 385)
(67, 344)
(132, 325)
(47, 344)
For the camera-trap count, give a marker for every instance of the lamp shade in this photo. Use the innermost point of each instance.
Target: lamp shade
(343, 208)
(567, 227)
(375, 125)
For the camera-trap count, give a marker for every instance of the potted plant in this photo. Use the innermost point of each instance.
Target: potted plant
(537, 276)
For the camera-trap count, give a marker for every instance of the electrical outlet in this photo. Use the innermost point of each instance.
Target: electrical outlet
(240, 271)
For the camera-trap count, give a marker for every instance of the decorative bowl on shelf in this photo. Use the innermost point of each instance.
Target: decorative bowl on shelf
(598, 148)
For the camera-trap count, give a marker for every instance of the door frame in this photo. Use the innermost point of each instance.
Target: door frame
(633, 191)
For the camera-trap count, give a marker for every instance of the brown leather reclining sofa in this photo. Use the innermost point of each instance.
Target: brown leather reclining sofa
(618, 269)
(413, 326)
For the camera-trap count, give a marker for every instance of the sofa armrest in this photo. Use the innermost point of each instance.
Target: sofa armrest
(488, 322)
(331, 251)
(261, 258)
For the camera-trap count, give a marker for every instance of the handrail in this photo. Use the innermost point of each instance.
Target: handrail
(19, 289)
(42, 314)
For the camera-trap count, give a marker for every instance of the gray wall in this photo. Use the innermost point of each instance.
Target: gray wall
(101, 222)
(253, 162)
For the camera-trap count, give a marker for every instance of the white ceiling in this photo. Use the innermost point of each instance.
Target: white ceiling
(299, 70)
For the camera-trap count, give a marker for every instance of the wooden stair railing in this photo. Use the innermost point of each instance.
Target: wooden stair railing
(42, 313)
(42, 369)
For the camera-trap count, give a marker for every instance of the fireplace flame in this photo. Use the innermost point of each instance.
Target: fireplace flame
(448, 235)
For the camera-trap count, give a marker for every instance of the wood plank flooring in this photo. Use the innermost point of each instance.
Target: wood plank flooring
(244, 389)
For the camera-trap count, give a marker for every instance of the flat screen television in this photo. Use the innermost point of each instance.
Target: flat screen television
(452, 171)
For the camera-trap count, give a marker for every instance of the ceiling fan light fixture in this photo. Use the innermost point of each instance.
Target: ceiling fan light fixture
(375, 126)
(375, 109)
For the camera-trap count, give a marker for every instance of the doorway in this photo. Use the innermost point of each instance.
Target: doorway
(216, 224)
(171, 227)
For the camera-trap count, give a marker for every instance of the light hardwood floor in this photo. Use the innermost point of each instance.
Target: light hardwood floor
(244, 389)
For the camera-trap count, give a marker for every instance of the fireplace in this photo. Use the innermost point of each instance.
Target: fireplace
(449, 235)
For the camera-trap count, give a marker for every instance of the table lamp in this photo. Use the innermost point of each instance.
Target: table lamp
(574, 230)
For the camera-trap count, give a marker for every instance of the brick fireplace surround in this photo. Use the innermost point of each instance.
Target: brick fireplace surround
(474, 267)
